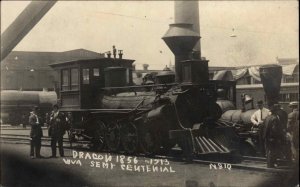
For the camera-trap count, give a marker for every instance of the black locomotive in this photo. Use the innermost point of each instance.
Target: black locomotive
(107, 110)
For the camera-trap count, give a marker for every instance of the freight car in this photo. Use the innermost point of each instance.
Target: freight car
(288, 92)
(16, 105)
(108, 111)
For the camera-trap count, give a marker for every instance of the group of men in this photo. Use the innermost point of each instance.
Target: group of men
(57, 129)
(278, 132)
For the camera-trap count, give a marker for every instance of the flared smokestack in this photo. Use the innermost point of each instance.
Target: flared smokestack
(188, 12)
(271, 79)
(180, 38)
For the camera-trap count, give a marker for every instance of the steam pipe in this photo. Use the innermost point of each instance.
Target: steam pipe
(188, 12)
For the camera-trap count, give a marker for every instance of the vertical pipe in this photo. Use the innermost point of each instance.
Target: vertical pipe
(188, 12)
(20, 27)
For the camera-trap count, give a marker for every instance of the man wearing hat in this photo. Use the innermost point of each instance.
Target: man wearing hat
(293, 129)
(36, 133)
(274, 136)
(257, 120)
(260, 115)
(57, 130)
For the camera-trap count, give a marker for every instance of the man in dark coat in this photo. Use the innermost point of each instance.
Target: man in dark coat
(57, 130)
(274, 136)
(36, 133)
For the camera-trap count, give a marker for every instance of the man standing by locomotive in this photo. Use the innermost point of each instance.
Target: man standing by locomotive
(57, 130)
(260, 115)
(293, 129)
(36, 133)
(274, 136)
(257, 120)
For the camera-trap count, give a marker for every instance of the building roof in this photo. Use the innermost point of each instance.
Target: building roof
(24, 60)
(94, 60)
(287, 61)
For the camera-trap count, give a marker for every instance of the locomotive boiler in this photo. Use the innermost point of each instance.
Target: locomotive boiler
(113, 115)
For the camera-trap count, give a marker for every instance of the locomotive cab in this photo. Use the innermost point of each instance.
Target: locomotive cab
(81, 80)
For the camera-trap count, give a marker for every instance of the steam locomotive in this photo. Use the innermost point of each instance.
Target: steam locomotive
(107, 110)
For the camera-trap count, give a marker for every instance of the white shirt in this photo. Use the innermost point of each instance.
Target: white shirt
(259, 116)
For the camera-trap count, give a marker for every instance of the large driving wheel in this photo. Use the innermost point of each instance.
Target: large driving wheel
(113, 136)
(99, 136)
(148, 142)
(129, 138)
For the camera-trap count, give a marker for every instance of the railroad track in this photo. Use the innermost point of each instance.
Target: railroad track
(247, 163)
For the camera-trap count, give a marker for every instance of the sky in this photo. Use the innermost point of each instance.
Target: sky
(264, 30)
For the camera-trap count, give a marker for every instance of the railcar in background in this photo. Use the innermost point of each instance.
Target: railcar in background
(288, 92)
(16, 105)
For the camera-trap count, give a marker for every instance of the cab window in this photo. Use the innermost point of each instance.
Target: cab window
(85, 76)
(96, 72)
(65, 80)
(74, 79)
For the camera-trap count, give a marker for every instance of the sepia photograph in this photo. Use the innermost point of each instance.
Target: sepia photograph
(149, 93)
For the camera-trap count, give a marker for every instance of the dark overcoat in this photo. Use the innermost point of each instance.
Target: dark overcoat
(57, 124)
(36, 128)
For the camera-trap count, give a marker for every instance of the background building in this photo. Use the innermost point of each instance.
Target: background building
(24, 70)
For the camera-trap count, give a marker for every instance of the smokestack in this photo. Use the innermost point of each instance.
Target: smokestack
(181, 39)
(271, 79)
(188, 12)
